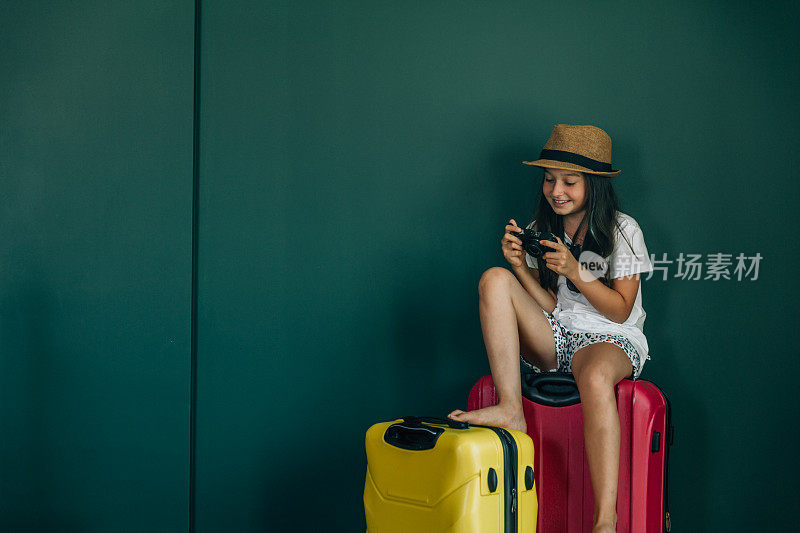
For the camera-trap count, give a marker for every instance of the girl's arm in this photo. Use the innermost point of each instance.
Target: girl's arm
(614, 303)
(529, 278)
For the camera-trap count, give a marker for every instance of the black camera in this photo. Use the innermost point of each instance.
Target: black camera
(530, 241)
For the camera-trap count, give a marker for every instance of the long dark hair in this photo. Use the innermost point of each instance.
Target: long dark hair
(601, 216)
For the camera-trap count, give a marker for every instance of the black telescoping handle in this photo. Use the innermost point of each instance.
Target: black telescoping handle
(455, 424)
(556, 389)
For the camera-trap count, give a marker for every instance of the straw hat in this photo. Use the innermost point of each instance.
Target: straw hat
(582, 148)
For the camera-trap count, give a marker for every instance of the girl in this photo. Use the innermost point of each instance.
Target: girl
(578, 308)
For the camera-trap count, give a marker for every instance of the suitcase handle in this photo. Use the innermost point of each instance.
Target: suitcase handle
(454, 424)
(556, 389)
(412, 434)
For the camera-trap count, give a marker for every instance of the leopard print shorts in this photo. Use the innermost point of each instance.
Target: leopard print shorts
(569, 342)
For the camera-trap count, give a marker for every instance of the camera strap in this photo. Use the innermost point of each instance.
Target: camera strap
(576, 247)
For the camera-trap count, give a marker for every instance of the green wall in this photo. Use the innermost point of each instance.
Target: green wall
(357, 162)
(95, 265)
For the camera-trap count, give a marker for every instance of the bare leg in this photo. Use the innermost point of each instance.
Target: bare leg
(597, 369)
(512, 323)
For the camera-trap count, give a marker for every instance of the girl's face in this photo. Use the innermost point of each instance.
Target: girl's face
(565, 190)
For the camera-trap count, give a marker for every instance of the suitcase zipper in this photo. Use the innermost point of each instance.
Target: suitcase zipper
(510, 484)
(668, 439)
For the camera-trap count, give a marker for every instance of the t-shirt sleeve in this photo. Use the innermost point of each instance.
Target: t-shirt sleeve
(532, 262)
(626, 259)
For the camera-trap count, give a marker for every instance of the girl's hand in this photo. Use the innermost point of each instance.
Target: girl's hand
(560, 260)
(512, 245)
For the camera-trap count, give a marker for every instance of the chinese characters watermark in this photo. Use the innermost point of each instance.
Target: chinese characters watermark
(692, 267)
(717, 266)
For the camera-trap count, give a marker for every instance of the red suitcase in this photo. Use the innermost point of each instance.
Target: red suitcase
(555, 423)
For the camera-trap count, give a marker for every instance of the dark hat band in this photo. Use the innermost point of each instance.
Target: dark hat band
(576, 159)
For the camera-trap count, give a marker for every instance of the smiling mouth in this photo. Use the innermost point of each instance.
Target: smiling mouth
(560, 203)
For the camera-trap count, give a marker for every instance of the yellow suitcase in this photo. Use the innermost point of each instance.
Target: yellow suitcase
(428, 474)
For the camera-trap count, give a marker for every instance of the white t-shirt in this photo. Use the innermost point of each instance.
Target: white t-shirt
(575, 312)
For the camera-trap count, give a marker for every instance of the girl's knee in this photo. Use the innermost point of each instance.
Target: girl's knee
(599, 367)
(594, 379)
(493, 279)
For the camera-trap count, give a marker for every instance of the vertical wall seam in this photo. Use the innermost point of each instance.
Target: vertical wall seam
(195, 231)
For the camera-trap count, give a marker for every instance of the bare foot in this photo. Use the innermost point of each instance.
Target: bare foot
(504, 416)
